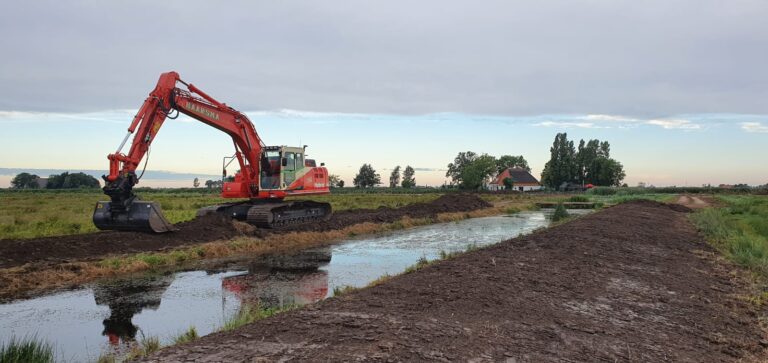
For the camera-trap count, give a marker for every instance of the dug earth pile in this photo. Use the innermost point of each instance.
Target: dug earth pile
(633, 282)
(83, 247)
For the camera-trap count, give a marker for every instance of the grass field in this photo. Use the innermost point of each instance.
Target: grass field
(39, 214)
(739, 229)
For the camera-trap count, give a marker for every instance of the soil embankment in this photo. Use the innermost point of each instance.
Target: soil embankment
(692, 202)
(83, 247)
(634, 282)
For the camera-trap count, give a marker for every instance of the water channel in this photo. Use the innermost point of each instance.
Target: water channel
(110, 316)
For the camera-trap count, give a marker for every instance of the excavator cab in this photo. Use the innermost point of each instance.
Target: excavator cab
(270, 168)
(281, 166)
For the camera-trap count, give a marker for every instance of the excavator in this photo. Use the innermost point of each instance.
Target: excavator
(267, 174)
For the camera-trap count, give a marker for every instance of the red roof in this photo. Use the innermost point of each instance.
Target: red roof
(520, 177)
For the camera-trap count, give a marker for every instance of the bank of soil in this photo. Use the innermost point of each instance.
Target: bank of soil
(694, 202)
(634, 282)
(83, 247)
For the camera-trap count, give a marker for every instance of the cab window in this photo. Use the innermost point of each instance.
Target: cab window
(290, 161)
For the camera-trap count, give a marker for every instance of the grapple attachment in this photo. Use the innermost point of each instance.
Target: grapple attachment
(139, 217)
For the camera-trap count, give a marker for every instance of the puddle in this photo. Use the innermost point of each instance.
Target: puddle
(111, 316)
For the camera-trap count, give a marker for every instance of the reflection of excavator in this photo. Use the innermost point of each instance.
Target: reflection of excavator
(278, 281)
(267, 173)
(125, 299)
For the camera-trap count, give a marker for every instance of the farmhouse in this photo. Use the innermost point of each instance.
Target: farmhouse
(522, 180)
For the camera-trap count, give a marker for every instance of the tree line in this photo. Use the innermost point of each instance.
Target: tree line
(367, 177)
(64, 180)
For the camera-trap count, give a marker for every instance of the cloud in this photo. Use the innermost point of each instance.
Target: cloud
(674, 124)
(609, 118)
(428, 169)
(366, 57)
(564, 124)
(118, 116)
(755, 127)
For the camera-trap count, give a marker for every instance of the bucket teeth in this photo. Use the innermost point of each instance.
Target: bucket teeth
(140, 217)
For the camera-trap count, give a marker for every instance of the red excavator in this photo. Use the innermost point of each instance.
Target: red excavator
(267, 174)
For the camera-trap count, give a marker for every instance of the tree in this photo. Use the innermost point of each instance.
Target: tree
(508, 161)
(24, 181)
(471, 171)
(366, 177)
(66, 180)
(608, 172)
(409, 181)
(196, 183)
(340, 184)
(508, 183)
(210, 184)
(456, 168)
(333, 180)
(394, 178)
(562, 166)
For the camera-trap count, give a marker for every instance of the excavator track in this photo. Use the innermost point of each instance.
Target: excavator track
(273, 214)
(278, 215)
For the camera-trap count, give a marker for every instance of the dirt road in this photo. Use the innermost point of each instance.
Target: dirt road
(83, 247)
(631, 283)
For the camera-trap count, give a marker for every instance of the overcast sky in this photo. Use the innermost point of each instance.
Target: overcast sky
(652, 58)
(679, 88)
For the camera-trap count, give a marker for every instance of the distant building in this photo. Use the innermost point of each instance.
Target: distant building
(522, 180)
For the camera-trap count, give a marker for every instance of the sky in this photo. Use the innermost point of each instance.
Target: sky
(678, 88)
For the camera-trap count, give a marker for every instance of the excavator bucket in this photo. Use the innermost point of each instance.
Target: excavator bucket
(140, 217)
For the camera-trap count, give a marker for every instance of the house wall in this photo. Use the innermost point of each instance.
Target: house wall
(526, 188)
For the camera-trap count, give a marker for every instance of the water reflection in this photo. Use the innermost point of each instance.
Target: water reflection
(126, 298)
(277, 281)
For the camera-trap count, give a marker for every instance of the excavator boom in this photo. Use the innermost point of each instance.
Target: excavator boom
(266, 174)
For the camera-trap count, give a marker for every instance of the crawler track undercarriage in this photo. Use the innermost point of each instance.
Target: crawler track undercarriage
(272, 214)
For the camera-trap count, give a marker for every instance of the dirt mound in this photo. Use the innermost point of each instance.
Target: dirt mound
(448, 203)
(51, 250)
(84, 246)
(653, 203)
(631, 283)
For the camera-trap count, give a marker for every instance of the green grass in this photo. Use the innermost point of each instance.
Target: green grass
(619, 198)
(26, 350)
(143, 348)
(248, 314)
(579, 199)
(187, 336)
(341, 290)
(560, 213)
(739, 230)
(106, 358)
(27, 214)
(421, 263)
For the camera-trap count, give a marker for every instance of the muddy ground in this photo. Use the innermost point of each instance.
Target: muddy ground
(83, 247)
(631, 283)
